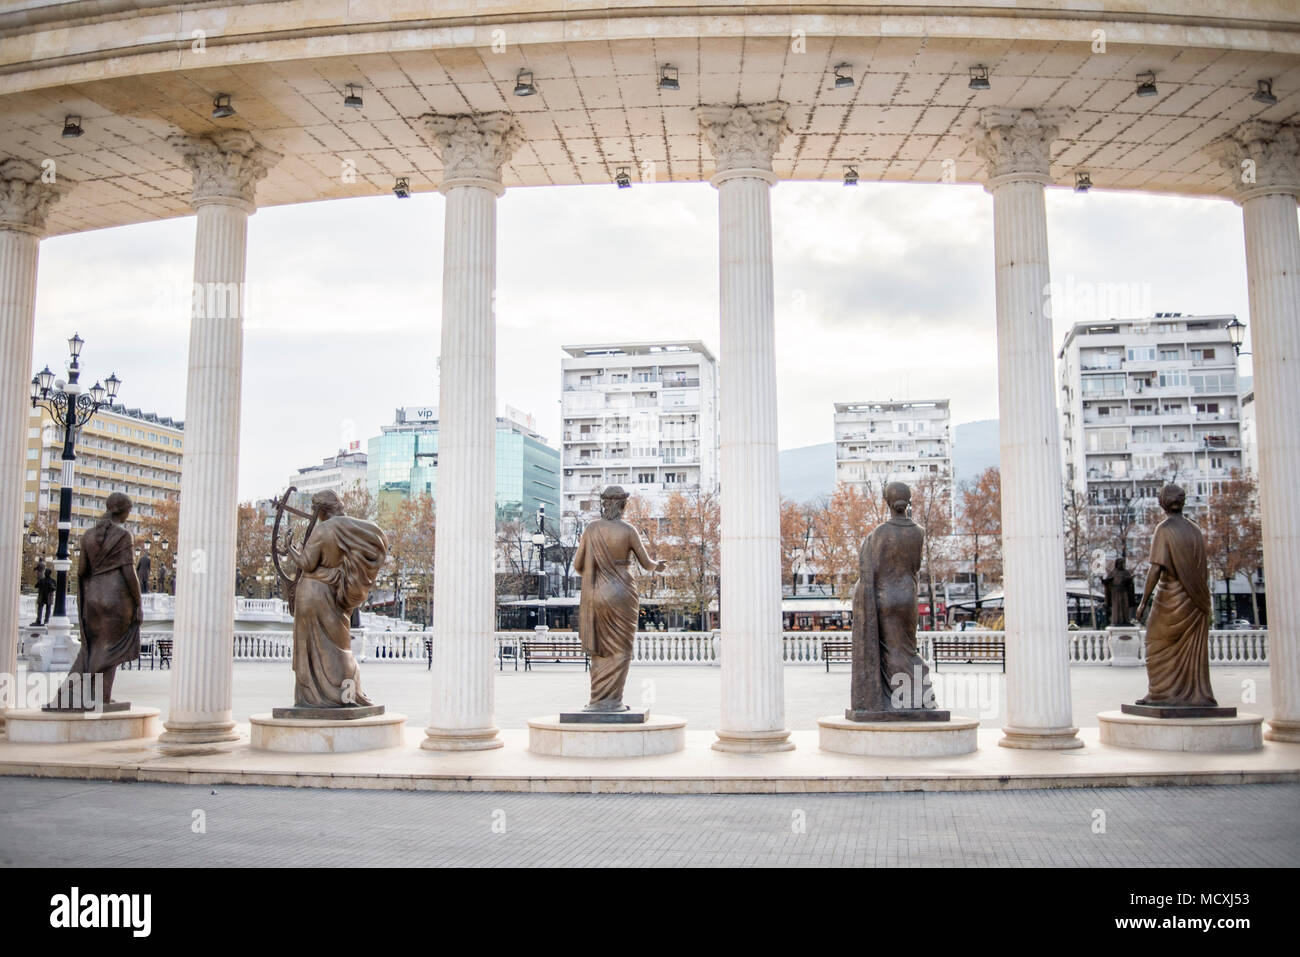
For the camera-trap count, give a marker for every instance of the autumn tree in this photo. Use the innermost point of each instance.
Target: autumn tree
(165, 520)
(252, 545)
(692, 548)
(47, 540)
(841, 523)
(932, 510)
(796, 540)
(562, 540)
(514, 545)
(358, 502)
(1233, 536)
(979, 526)
(409, 526)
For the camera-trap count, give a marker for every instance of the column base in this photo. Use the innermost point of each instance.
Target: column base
(460, 739)
(1040, 739)
(753, 742)
(208, 732)
(1281, 730)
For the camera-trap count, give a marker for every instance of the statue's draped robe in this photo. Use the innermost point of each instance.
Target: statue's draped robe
(1178, 631)
(340, 562)
(884, 620)
(607, 609)
(110, 632)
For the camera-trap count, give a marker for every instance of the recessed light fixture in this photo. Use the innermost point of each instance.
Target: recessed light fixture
(850, 176)
(524, 83)
(668, 78)
(843, 80)
(352, 99)
(1147, 84)
(221, 107)
(979, 78)
(622, 179)
(1082, 182)
(72, 127)
(402, 188)
(1263, 93)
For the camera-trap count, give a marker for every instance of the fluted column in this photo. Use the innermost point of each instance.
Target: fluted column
(1016, 146)
(473, 150)
(1263, 160)
(24, 203)
(743, 140)
(226, 167)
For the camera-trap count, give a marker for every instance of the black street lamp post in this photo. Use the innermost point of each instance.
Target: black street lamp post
(72, 408)
(539, 542)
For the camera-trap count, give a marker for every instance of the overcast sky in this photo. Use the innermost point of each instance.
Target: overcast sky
(882, 291)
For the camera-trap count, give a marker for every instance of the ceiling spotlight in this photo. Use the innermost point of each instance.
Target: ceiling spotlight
(668, 78)
(1147, 84)
(850, 176)
(1263, 94)
(1082, 182)
(622, 178)
(221, 107)
(524, 83)
(979, 78)
(402, 188)
(843, 80)
(352, 99)
(72, 126)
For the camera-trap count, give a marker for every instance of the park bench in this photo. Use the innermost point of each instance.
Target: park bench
(428, 653)
(551, 649)
(837, 651)
(163, 649)
(970, 651)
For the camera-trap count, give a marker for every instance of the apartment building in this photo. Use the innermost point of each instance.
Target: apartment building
(888, 441)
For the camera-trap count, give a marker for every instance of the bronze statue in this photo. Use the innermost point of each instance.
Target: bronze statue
(142, 570)
(335, 568)
(608, 606)
(1119, 593)
(108, 598)
(890, 681)
(1178, 635)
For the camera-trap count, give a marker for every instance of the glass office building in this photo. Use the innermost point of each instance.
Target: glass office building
(403, 461)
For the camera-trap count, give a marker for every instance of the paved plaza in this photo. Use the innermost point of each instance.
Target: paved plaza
(692, 691)
(45, 823)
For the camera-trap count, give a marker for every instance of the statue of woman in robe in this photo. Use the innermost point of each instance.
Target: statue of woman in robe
(1178, 635)
(608, 606)
(339, 562)
(888, 673)
(108, 599)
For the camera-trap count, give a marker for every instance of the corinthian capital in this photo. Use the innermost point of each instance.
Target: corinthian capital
(744, 137)
(1017, 144)
(474, 147)
(24, 199)
(226, 166)
(1260, 157)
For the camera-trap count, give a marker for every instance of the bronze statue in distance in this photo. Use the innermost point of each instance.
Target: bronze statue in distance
(890, 681)
(608, 606)
(1119, 594)
(334, 570)
(1178, 635)
(108, 600)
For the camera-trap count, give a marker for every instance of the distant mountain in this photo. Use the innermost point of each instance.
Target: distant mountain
(808, 472)
(975, 448)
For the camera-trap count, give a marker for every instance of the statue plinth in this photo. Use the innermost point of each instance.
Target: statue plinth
(352, 713)
(902, 714)
(604, 717)
(109, 707)
(1177, 711)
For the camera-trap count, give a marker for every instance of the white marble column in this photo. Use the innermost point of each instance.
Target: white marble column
(1263, 160)
(743, 140)
(226, 167)
(473, 150)
(1016, 146)
(24, 203)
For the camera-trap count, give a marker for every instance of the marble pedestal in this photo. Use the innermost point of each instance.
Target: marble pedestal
(659, 734)
(36, 726)
(1243, 733)
(325, 736)
(898, 739)
(1125, 646)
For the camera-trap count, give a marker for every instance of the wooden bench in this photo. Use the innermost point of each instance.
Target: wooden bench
(163, 648)
(971, 651)
(534, 649)
(837, 651)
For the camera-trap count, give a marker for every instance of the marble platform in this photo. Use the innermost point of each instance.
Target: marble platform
(898, 739)
(325, 735)
(1245, 732)
(37, 726)
(697, 769)
(656, 734)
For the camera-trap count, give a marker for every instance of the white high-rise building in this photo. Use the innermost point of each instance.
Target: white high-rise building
(643, 415)
(880, 442)
(1149, 401)
(339, 473)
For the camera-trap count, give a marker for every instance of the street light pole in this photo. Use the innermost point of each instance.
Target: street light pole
(539, 542)
(72, 408)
